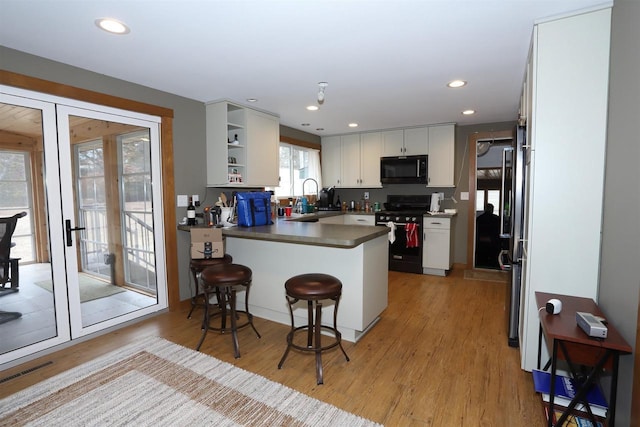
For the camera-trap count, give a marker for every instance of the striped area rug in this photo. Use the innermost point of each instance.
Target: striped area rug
(158, 383)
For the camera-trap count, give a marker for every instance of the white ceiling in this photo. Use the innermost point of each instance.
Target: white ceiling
(387, 62)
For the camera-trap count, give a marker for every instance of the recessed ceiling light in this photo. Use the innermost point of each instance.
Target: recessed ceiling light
(456, 83)
(468, 112)
(353, 125)
(252, 100)
(320, 129)
(112, 26)
(312, 108)
(306, 124)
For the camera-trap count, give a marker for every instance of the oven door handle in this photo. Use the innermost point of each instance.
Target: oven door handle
(399, 223)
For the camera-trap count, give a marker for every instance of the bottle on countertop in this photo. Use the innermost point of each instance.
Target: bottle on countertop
(191, 212)
(338, 204)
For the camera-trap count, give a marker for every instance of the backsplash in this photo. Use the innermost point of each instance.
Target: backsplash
(380, 194)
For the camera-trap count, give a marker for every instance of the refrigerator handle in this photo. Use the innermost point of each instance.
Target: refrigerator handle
(504, 196)
(523, 250)
(501, 256)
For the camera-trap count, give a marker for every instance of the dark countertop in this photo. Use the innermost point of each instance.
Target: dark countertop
(297, 230)
(314, 233)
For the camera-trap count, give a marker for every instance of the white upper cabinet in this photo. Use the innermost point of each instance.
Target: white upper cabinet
(441, 156)
(416, 141)
(405, 142)
(263, 160)
(331, 161)
(393, 143)
(242, 146)
(353, 160)
(370, 153)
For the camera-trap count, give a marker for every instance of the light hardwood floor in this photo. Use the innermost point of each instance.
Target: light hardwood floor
(438, 357)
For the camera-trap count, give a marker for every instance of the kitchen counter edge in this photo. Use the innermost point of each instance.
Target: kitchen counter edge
(317, 234)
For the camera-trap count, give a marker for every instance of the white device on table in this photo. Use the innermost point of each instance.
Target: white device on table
(591, 325)
(553, 306)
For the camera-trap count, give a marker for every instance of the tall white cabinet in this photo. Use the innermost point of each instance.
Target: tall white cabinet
(567, 121)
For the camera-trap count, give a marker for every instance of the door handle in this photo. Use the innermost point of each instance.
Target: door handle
(69, 229)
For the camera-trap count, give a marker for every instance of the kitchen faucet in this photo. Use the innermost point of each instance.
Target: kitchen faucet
(317, 187)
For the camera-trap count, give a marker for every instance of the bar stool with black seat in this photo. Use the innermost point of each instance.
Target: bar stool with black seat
(196, 266)
(224, 281)
(313, 288)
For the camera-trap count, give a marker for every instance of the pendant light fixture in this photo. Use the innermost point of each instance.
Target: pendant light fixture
(321, 88)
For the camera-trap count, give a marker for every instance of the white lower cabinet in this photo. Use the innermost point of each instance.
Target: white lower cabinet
(437, 254)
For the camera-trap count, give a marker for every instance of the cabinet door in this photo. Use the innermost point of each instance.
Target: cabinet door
(393, 143)
(331, 161)
(441, 156)
(263, 139)
(416, 141)
(370, 153)
(350, 160)
(217, 135)
(436, 249)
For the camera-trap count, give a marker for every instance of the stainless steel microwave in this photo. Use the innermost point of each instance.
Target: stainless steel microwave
(403, 170)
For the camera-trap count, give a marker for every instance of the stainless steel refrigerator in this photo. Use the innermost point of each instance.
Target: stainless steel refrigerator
(512, 212)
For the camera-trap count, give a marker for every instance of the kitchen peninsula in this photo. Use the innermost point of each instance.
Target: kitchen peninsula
(357, 255)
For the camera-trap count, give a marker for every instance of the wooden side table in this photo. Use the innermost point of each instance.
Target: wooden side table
(572, 344)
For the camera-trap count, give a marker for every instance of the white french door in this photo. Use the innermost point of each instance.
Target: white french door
(98, 198)
(97, 217)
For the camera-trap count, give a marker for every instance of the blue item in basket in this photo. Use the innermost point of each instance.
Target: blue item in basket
(254, 208)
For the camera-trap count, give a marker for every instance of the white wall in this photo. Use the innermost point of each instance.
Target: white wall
(620, 267)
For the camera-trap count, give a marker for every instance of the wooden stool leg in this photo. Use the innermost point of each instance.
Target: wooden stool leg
(318, 342)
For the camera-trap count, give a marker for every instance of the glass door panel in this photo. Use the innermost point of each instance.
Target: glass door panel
(33, 299)
(108, 209)
(88, 179)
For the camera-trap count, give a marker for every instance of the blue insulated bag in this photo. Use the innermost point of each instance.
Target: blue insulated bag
(254, 208)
